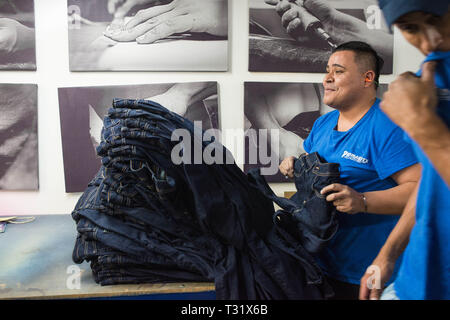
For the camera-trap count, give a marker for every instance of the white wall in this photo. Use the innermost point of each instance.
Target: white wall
(53, 72)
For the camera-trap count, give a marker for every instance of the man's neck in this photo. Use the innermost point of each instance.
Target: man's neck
(350, 115)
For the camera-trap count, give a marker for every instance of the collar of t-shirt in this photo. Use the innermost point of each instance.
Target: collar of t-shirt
(442, 69)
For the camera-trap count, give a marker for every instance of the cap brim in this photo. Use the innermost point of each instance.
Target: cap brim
(393, 10)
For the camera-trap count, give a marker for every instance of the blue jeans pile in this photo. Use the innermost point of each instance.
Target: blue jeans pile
(144, 219)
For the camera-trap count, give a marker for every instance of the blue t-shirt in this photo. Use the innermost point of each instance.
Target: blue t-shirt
(425, 271)
(368, 154)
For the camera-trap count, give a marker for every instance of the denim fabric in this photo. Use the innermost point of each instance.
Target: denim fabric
(307, 216)
(145, 219)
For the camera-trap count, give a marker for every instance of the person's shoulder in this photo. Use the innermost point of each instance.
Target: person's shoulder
(382, 121)
(326, 118)
(383, 128)
(330, 114)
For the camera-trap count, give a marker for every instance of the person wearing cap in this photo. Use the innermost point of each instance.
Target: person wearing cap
(420, 104)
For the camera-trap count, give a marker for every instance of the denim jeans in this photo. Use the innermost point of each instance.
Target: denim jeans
(307, 216)
(145, 219)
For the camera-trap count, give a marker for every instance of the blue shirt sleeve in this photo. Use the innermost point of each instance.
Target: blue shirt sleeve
(393, 153)
(309, 141)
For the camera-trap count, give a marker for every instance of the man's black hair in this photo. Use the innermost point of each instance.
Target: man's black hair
(364, 55)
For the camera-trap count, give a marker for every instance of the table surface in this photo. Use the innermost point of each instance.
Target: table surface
(36, 263)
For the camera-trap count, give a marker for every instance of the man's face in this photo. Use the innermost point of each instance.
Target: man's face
(426, 32)
(344, 81)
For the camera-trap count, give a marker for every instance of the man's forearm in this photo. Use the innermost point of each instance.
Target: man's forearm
(399, 237)
(261, 116)
(194, 91)
(433, 136)
(391, 250)
(390, 201)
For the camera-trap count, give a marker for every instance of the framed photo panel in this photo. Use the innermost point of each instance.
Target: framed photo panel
(17, 35)
(278, 118)
(298, 36)
(18, 137)
(82, 110)
(166, 35)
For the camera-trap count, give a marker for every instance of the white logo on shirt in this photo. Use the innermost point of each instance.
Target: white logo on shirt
(351, 156)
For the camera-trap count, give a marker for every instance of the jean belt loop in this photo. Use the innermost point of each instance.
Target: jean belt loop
(307, 162)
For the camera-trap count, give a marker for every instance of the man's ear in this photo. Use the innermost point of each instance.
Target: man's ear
(369, 78)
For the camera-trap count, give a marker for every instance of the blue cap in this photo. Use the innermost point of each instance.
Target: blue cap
(394, 9)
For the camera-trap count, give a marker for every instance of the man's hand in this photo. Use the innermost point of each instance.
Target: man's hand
(174, 100)
(295, 17)
(383, 266)
(340, 26)
(179, 16)
(14, 36)
(287, 167)
(119, 8)
(344, 198)
(373, 281)
(410, 101)
(181, 95)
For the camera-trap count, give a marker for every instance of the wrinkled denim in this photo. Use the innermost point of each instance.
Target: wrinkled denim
(307, 216)
(145, 219)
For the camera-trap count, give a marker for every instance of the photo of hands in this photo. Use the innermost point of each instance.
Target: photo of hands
(290, 110)
(298, 35)
(17, 35)
(82, 110)
(18, 137)
(148, 35)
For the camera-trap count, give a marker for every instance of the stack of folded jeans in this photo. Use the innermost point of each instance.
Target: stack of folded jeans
(145, 219)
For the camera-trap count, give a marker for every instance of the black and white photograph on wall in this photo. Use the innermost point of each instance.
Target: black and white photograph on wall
(289, 109)
(18, 137)
(82, 110)
(17, 35)
(299, 35)
(148, 35)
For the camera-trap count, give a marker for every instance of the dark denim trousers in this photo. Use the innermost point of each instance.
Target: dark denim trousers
(307, 216)
(145, 219)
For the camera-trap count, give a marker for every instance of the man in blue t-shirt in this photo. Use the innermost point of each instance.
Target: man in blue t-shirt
(378, 168)
(420, 104)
